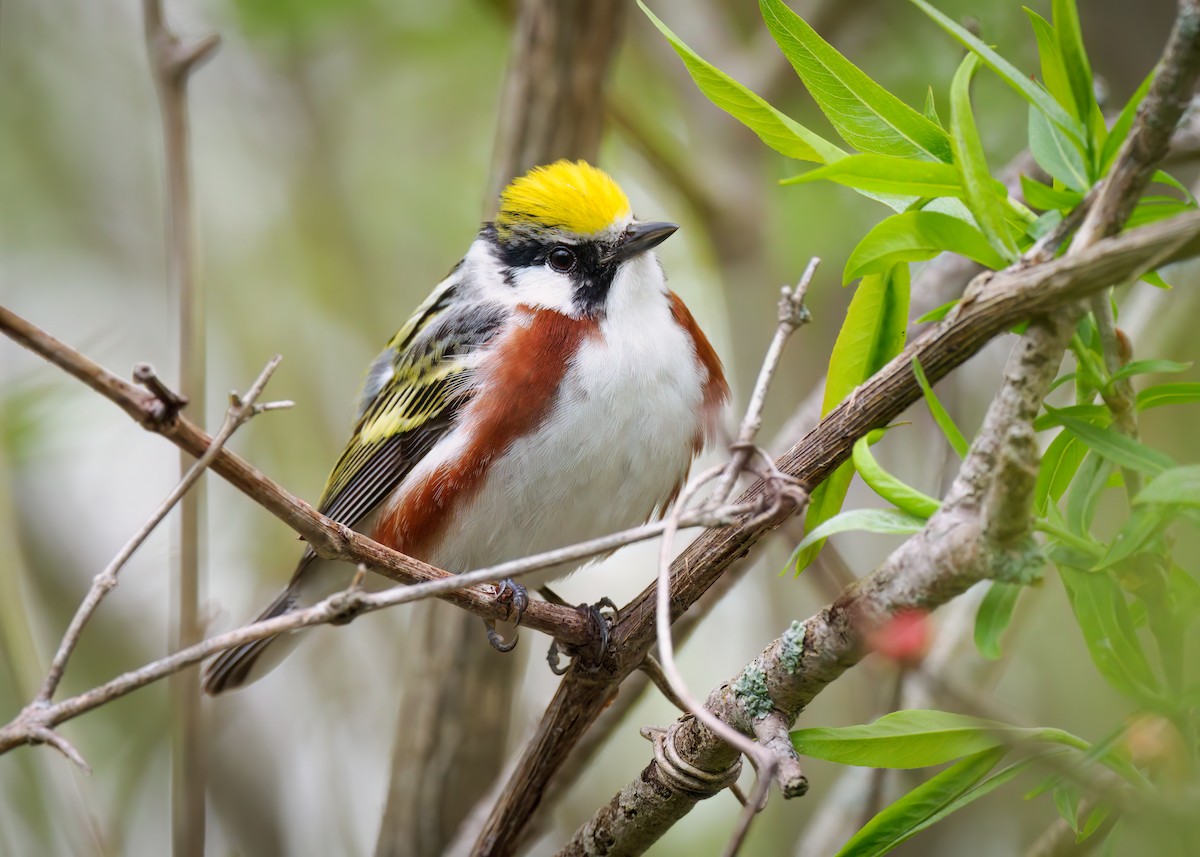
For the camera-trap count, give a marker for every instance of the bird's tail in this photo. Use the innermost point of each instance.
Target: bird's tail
(251, 661)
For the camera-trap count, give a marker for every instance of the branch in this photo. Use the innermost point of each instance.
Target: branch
(328, 538)
(959, 546)
(241, 410)
(980, 531)
(992, 306)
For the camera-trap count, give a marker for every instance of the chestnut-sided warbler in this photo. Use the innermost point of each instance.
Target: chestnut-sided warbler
(550, 390)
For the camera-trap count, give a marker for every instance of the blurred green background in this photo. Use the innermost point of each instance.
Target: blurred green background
(341, 152)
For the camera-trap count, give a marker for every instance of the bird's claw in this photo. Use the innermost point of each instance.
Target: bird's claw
(595, 612)
(516, 598)
(497, 641)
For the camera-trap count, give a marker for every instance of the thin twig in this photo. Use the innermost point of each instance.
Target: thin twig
(793, 314)
(241, 409)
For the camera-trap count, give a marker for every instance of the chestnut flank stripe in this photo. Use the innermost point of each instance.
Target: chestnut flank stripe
(514, 397)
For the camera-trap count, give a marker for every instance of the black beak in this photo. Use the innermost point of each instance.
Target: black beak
(641, 237)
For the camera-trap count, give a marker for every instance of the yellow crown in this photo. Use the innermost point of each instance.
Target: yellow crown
(574, 196)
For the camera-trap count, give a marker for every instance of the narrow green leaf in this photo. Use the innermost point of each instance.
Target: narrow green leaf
(1178, 485)
(1120, 128)
(1056, 154)
(1117, 448)
(919, 738)
(940, 415)
(1142, 527)
(1065, 800)
(1045, 198)
(1108, 631)
(780, 132)
(915, 236)
(1150, 367)
(1168, 394)
(1094, 820)
(888, 175)
(872, 334)
(985, 203)
(985, 787)
(993, 617)
(1054, 75)
(867, 116)
(930, 112)
(920, 807)
(1009, 73)
(1086, 488)
(1059, 463)
(884, 521)
(1155, 279)
(938, 313)
(1094, 414)
(1075, 61)
(895, 491)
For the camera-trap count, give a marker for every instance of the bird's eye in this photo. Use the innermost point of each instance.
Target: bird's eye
(561, 259)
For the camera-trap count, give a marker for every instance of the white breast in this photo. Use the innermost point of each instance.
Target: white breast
(618, 439)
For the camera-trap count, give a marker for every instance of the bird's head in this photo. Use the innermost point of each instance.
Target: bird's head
(566, 239)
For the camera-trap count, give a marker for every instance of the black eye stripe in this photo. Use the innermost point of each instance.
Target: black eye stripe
(591, 273)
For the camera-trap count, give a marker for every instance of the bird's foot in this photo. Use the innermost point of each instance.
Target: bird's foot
(516, 598)
(603, 622)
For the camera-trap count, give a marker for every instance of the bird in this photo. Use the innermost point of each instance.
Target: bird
(551, 389)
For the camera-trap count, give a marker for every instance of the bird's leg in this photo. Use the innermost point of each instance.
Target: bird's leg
(516, 597)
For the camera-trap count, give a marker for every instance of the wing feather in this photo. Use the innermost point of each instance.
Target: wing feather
(412, 396)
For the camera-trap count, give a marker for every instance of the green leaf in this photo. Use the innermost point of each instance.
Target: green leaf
(922, 806)
(1059, 463)
(985, 203)
(930, 111)
(1150, 367)
(780, 132)
(1168, 394)
(867, 116)
(1065, 801)
(1054, 75)
(1108, 631)
(915, 236)
(1086, 488)
(1142, 526)
(993, 617)
(1056, 154)
(1075, 61)
(1046, 198)
(872, 334)
(886, 521)
(1120, 128)
(1009, 73)
(938, 313)
(888, 175)
(940, 415)
(1116, 447)
(1179, 486)
(919, 738)
(901, 495)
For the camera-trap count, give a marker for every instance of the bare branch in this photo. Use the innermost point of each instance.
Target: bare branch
(240, 411)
